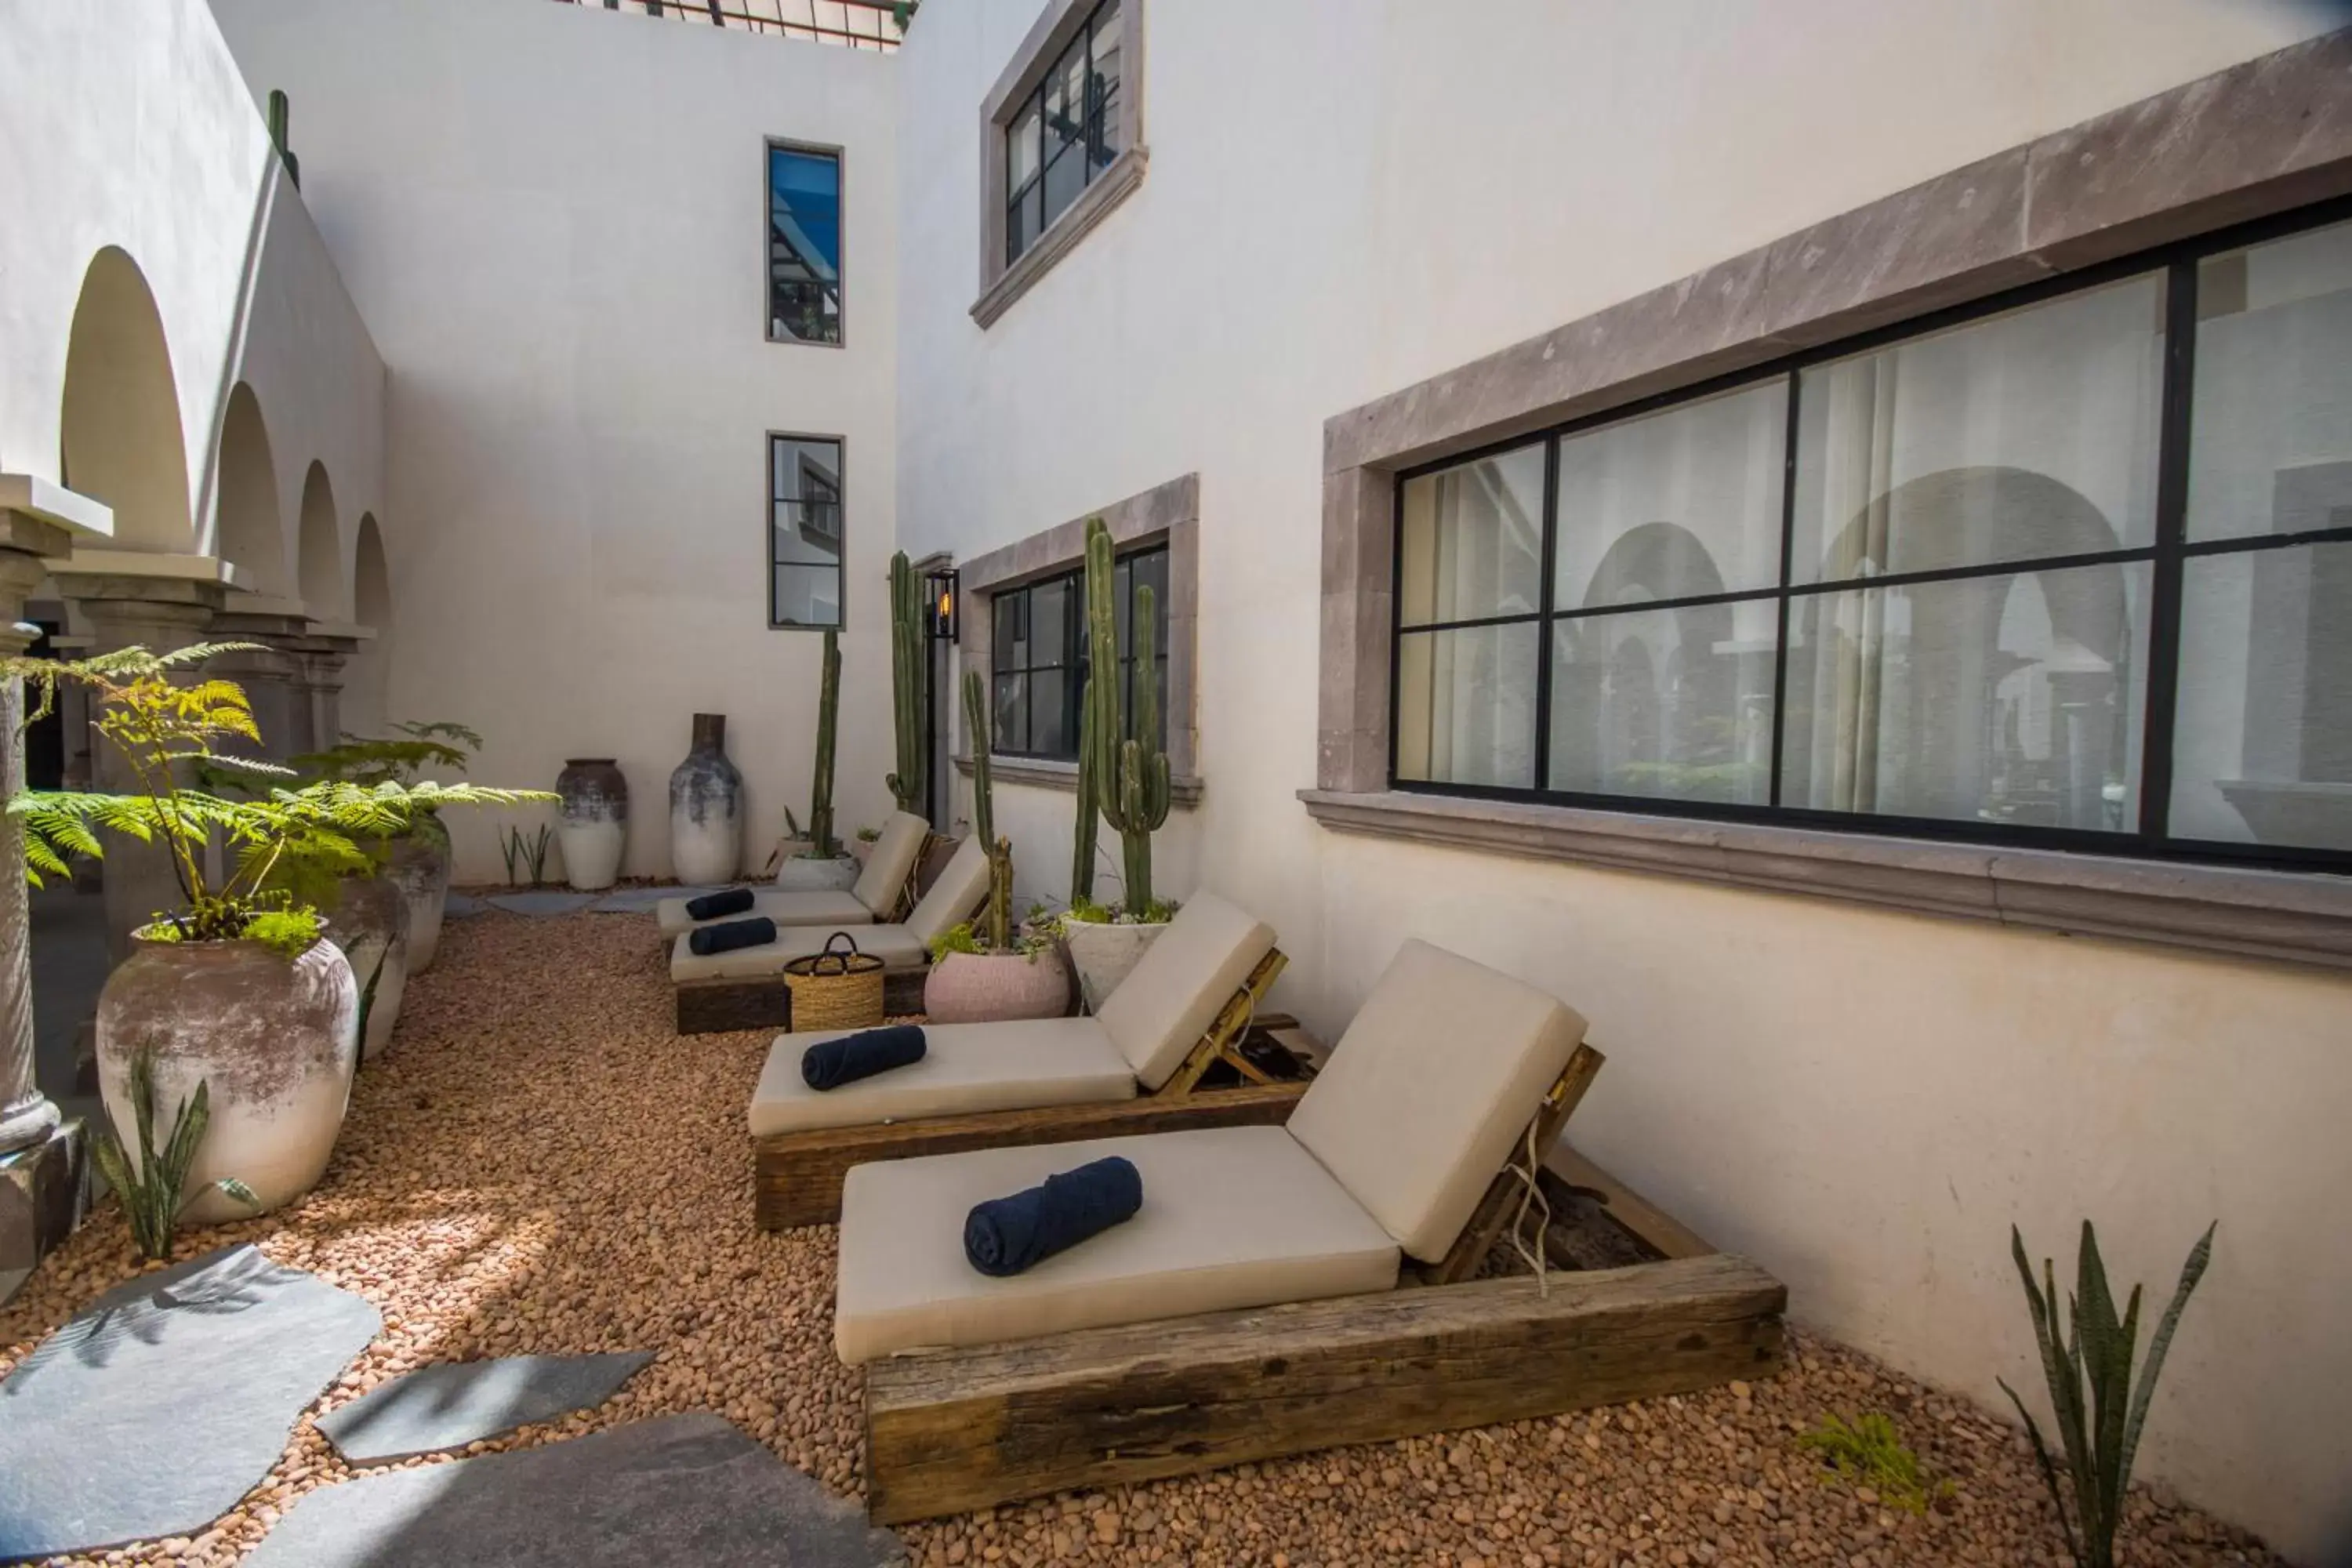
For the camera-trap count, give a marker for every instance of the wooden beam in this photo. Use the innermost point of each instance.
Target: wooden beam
(715, 1007)
(1653, 1225)
(797, 1176)
(967, 1429)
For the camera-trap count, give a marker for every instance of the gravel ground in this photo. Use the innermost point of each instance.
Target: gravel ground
(540, 1165)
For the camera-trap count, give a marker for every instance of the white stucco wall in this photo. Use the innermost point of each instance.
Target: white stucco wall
(127, 124)
(1344, 198)
(553, 218)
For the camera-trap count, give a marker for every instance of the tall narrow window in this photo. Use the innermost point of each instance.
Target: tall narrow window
(804, 532)
(1065, 133)
(804, 244)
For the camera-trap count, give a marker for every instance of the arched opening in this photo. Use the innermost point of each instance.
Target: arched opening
(119, 438)
(320, 553)
(368, 676)
(249, 532)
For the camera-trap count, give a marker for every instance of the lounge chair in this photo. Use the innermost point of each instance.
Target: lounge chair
(1183, 1009)
(878, 894)
(1250, 1308)
(743, 988)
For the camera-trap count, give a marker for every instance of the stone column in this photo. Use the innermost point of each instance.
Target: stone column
(272, 674)
(324, 654)
(158, 614)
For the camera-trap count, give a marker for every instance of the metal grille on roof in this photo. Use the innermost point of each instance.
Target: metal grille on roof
(851, 23)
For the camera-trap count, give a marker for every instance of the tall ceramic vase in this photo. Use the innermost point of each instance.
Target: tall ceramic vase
(706, 808)
(595, 822)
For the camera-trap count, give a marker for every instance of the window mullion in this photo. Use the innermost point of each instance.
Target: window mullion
(2172, 533)
(1548, 553)
(1787, 559)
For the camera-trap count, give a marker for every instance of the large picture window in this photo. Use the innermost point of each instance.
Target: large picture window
(804, 244)
(805, 523)
(1040, 651)
(2075, 568)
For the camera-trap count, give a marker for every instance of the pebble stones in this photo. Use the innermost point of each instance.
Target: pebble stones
(447, 1406)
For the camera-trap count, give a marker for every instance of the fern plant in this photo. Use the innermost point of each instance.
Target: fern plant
(151, 1193)
(2097, 1408)
(285, 847)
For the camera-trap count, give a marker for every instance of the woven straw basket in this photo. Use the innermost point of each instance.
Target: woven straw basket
(835, 989)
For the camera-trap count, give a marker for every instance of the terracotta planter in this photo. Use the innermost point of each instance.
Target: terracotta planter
(370, 923)
(1102, 953)
(420, 864)
(800, 873)
(988, 987)
(274, 1040)
(595, 822)
(706, 808)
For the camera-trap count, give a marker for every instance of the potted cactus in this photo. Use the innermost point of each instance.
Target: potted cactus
(1121, 779)
(910, 706)
(984, 970)
(824, 866)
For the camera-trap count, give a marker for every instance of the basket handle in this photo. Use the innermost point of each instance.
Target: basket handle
(840, 960)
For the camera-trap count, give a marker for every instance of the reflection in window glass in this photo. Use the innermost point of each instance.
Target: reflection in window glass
(804, 532)
(803, 246)
(1039, 654)
(1473, 544)
(1067, 132)
(1671, 704)
(2029, 434)
(1466, 706)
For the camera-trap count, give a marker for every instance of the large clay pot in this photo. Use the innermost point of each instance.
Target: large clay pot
(370, 922)
(706, 808)
(806, 874)
(989, 987)
(1101, 954)
(420, 864)
(595, 823)
(273, 1039)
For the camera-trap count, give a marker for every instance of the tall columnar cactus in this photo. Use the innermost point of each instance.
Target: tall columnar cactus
(909, 684)
(1130, 782)
(983, 816)
(1082, 846)
(822, 844)
(281, 113)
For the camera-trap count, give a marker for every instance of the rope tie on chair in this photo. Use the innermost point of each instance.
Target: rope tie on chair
(1533, 1196)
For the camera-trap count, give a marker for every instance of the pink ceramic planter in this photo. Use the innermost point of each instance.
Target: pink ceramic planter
(982, 988)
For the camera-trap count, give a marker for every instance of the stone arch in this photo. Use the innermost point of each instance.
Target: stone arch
(319, 556)
(249, 530)
(1650, 687)
(367, 677)
(120, 435)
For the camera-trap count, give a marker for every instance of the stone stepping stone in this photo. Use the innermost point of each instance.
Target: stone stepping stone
(682, 1491)
(642, 900)
(540, 902)
(156, 1409)
(457, 906)
(436, 1408)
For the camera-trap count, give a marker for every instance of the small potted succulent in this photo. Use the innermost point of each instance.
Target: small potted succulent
(984, 970)
(823, 866)
(1119, 779)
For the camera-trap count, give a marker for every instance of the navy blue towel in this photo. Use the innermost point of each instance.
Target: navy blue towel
(704, 940)
(710, 906)
(1005, 1236)
(831, 1063)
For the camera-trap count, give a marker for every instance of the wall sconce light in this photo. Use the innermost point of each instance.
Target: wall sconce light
(941, 586)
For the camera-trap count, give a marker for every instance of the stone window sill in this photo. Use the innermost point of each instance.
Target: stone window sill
(2293, 917)
(1110, 188)
(1040, 772)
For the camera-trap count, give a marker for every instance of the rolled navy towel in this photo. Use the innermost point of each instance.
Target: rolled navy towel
(727, 901)
(1005, 1235)
(704, 940)
(831, 1063)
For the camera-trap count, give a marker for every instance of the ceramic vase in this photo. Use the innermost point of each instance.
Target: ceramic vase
(595, 821)
(420, 864)
(273, 1039)
(370, 921)
(1102, 953)
(994, 987)
(706, 808)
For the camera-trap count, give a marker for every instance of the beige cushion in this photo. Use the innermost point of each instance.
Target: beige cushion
(961, 884)
(786, 908)
(1168, 1000)
(1429, 1090)
(899, 951)
(1232, 1216)
(890, 862)
(966, 1068)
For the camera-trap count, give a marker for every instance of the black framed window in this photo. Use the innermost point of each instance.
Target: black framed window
(2071, 567)
(1041, 657)
(804, 244)
(1067, 133)
(804, 530)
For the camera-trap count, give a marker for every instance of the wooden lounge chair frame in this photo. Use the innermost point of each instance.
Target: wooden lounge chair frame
(797, 1176)
(952, 1431)
(764, 1002)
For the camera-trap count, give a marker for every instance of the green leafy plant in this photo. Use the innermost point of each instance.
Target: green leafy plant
(1130, 784)
(1870, 1452)
(910, 706)
(868, 834)
(526, 856)
(399, 758)
(285, 846)
(2097, 1408)
(151, 1195)
(999, 913)
(822, 845)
